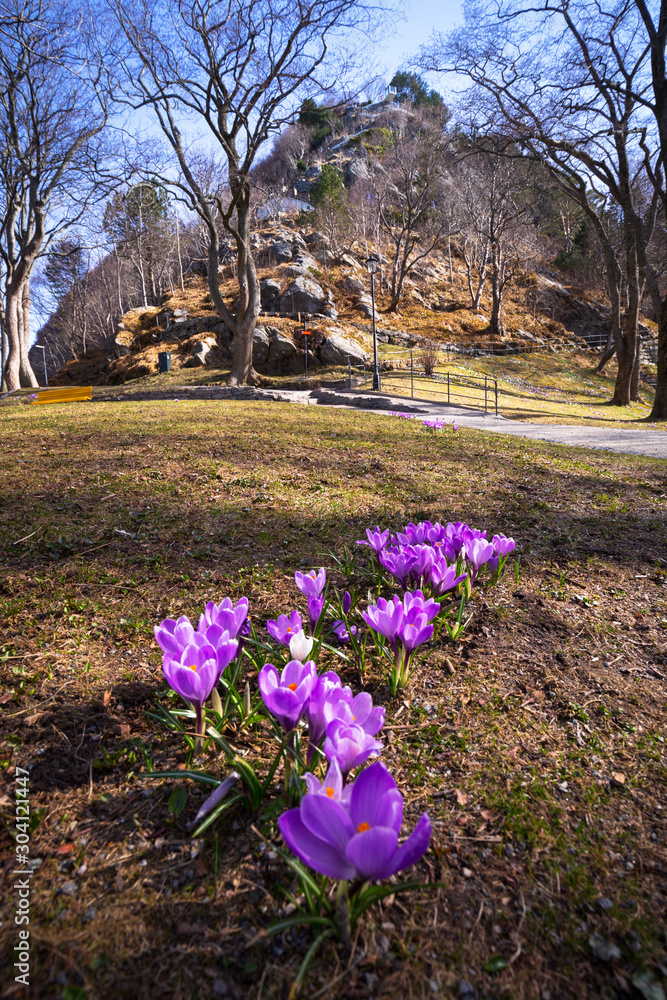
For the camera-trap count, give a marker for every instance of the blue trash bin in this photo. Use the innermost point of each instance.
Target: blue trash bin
(164, 361)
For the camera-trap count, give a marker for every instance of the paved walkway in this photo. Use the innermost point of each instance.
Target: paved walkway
(633, 442)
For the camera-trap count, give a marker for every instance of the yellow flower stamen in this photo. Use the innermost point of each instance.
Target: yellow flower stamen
(292, 687)
(192, 666)
(330, 792)
(363, 827)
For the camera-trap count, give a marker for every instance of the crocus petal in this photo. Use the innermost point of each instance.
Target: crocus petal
(319, 855)
(372, 851)
(327, 820)
(414, 848)
(300, 645)
(374, 721)
(370, 786)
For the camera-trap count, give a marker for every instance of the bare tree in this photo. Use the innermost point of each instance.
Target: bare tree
(409, 194)
(235, 67)
(564, 84)
(50, 121)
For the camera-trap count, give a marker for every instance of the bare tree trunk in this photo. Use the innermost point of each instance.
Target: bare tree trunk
(242, 369)
(3, 350)
(14, 339)
(659, 410)
(607, 354)
(118, 285)
(27, 375)
(178, 249)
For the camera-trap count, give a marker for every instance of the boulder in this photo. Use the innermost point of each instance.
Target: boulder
(355, 286)
(279, 252)
(365, 305)
(336, 349)
(356, 169)
(317, 240)
(200, 353)
(270, 294)
(260, 346)
(280, 346)
(303, 295)
(196, 361)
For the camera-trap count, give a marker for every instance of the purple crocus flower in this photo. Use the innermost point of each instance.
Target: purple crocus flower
(443, 577)
(455, 534)
(421, 568)
(477, 551)
(503, 545)
(283, 628)
(350, 744)
(385, 617)
(193, 673)
(332, 786)
(172, 636)
(415, 534)
(315, 605)
(175, 637)
(398, 562)
(359, 710)
(325, 686)
(340, 630)
(412, 634)
(347, 602)
(415, 603)
(229, 616)
(377, 539)
(360, 841)
(311, 584)
(226, 648)
(286, 694)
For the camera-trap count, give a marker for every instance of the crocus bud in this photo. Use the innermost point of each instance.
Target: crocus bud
(347, 602)
(300, 646)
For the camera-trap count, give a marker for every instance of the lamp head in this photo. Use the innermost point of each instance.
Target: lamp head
(372, 264)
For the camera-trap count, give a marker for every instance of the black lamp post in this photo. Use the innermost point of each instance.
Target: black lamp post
(43, 349)
(372, 265)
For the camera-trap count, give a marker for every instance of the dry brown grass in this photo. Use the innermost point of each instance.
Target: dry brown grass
(558, 685)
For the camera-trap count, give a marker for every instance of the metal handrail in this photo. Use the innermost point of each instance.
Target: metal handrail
(490, 385)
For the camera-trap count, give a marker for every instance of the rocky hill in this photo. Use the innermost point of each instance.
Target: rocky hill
(303, 282)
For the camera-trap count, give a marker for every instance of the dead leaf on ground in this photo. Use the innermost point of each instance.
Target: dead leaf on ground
(106, 700)
(461, 798)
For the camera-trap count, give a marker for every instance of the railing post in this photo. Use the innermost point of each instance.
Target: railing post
(412, 379)
(495, 382)
(485, 394)
(349, 371)
(448, 388)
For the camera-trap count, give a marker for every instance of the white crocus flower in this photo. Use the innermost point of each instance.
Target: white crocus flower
(300, 646)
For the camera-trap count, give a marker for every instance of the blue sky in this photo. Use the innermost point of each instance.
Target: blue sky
(422, 18)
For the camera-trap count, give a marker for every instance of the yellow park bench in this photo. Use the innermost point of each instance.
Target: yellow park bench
(75, 394)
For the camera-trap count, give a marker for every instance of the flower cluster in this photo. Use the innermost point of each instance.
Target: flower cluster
(347, 724)
(438, 556)
(193, 662)
(342, 829)
(432, 423)
(406, 625)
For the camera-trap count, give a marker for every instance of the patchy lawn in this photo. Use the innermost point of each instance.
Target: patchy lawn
(536, 744)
